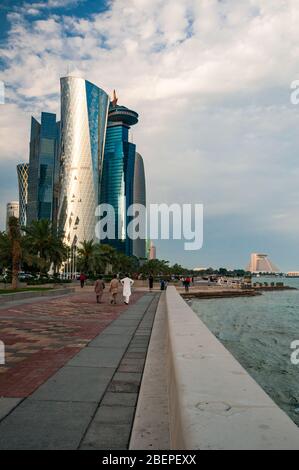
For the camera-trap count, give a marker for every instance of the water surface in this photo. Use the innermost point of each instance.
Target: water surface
(258, 331)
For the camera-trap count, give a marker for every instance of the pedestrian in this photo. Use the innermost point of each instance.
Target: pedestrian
(150, 282)
(127, 283)
(99, 288)
(82, 279)
(162, 284)
(187, 283)
(113, 289)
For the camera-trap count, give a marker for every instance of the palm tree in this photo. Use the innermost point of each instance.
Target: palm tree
(44, 245)
(5, 251)
(14, 236)
(156, 267)
(105, 257)
(86, 255)
(124, 263)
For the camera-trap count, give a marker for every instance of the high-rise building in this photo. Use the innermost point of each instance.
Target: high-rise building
(123, 181)
(22, 171)
(43, 168)
(139, 197)
(152, 251)
(12, 210)
(84, 109)
(260, 263)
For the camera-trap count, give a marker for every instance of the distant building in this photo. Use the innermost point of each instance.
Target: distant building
(199, 269)
(84, 108)
(43, 168)
(12, 210)
(22, 171)
(152, 251)
(260, 263)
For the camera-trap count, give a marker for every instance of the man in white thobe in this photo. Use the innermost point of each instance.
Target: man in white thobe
(127, 282)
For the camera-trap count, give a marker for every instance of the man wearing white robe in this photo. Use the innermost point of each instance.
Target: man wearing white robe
(127, 282)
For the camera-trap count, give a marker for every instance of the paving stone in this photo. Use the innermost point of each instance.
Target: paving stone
(119, 399)
(104, 378)
(108, 341)
(76, 384)
(108, 436)
(125, 382)
(97, 357)
(7, 405)
(45, 425)
(119, 330)
(114, 414)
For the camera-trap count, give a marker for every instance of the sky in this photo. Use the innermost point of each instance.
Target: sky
(211, 81)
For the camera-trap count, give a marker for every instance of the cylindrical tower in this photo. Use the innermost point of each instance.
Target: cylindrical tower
(84, 109)
(22, 171)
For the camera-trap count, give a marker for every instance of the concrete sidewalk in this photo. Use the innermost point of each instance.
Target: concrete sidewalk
(90, 402)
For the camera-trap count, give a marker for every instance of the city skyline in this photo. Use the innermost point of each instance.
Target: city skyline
(80, 162)
(213, 123)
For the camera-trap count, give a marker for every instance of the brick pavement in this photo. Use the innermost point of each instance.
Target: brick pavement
(40, 337)
(89, 403)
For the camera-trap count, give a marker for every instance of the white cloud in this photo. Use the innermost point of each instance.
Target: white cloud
(210, 80)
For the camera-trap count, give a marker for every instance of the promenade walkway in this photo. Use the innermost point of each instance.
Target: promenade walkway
(73, 371)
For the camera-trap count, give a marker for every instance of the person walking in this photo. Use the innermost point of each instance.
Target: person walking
(82, 279)
(150, 282)
(99, 288)
(113, 289)
(187, 283)
(127, 283)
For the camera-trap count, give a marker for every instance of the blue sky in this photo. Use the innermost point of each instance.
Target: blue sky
(79, 8)
(211, 82)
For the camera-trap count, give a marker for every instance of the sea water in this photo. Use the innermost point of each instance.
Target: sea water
(259, 331)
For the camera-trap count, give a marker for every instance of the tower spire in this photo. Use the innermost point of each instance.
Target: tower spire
(115, 99)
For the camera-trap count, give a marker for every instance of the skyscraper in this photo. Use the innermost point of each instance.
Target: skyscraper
(12, 209)
(123, 181)
(43, 168)
(84, 109)
(139, 197)
(22, 171)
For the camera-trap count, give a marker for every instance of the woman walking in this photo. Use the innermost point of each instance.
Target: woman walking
(150, 282)
(113, 289)
(82, 279)
(98, 288)
(127, 282)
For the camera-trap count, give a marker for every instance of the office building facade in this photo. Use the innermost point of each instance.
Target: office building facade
(84, 109)
(22, 172)
(43, 168)
(123, 181)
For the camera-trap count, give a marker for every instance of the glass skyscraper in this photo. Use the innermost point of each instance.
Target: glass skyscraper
(22, 171)
(84, 109)
(123, 180)
(139, 197)
(43, 168)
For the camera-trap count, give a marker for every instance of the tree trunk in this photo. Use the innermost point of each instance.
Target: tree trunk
(15, 265)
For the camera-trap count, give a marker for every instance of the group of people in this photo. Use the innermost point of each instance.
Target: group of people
(186, 282)
(163, 283)
(126, 284)
(115, 283)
